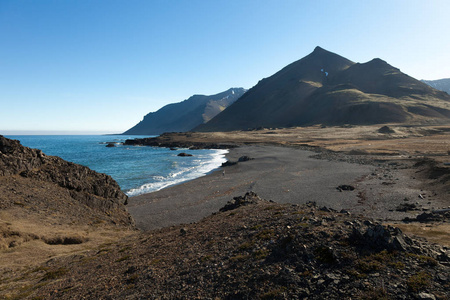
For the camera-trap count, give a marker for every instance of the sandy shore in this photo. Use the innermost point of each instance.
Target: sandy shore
(281, 174)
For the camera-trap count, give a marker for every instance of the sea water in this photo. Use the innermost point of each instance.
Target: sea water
(137, 169)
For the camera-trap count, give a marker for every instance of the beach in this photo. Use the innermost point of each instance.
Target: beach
(280, 174)
(390, 179)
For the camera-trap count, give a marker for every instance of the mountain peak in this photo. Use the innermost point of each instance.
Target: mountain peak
(318, 49)
(377, 61)
(187, 114)
(380, 64)
(326, 88)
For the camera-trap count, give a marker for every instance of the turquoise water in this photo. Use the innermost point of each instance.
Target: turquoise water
(138, 170)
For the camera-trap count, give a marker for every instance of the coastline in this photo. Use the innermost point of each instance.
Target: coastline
(281, 174)
(292, 174)
(202, 169)
(249, 236)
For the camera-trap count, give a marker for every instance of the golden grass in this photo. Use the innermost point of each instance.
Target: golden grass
(21, 265)
(435, 233)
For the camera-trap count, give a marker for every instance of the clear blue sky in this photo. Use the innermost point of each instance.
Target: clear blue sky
(101, 65)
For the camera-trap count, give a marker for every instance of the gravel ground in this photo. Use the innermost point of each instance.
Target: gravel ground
(281, 174)
(293, 175)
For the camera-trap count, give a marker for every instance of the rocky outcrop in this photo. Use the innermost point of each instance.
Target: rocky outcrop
(386, 130)
(166, 141)
(255, 249)
(248, 199)
(183, 154)
(95, 190)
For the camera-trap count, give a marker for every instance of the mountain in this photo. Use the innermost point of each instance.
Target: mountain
(185, 115)
(440, 84)
(325, 88)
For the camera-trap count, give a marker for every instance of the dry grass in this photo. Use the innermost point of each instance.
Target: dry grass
(407, 142)
(29, 241)
(434, 233)
(415, 141)
(30, 236)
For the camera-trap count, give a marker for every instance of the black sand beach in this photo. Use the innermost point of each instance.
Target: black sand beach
(281, 174)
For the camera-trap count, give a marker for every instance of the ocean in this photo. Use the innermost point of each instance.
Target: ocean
(137, 169)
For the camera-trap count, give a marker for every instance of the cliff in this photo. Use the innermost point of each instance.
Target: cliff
(97, 191)
(47, 200)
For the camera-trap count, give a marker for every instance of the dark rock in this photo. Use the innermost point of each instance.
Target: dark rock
(386, 130)
(406, 207)
(184, 154)
(345, 187)
(428, 217)
(111, 145)
(97, 191)
(229, 163)
(324, 208)
(248, 198)
(378, 237)
(166, 140)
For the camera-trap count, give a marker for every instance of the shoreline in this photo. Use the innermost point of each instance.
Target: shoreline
(291, 174)
(281, 174)
(167, 184)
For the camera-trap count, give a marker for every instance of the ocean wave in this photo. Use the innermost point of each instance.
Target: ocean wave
(202, 165)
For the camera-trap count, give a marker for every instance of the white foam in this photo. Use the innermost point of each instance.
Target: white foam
(202, 168)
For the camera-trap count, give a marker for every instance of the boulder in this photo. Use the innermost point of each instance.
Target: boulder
(386, 130)
(184, 154)
(345, 187)
(229, 163)
(379, 237)
(247, 199)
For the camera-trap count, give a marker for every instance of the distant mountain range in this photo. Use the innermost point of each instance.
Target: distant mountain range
(325, 88)
(185, 115)
(440, 84)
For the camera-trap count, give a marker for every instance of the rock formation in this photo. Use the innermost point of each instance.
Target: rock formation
(98, 191)
(256, 249)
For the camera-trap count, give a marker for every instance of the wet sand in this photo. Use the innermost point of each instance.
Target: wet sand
(281, 174)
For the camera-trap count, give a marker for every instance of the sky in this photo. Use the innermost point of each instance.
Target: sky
(99, 66)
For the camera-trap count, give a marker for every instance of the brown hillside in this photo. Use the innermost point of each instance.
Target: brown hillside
(255, 249)
(50, 207)
(325, 88)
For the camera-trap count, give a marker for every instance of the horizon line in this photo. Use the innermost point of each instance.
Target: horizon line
(58, 132)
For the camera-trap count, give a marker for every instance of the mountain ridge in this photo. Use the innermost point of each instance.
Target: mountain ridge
(440, 84)
(326, 88)
(185, 115)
